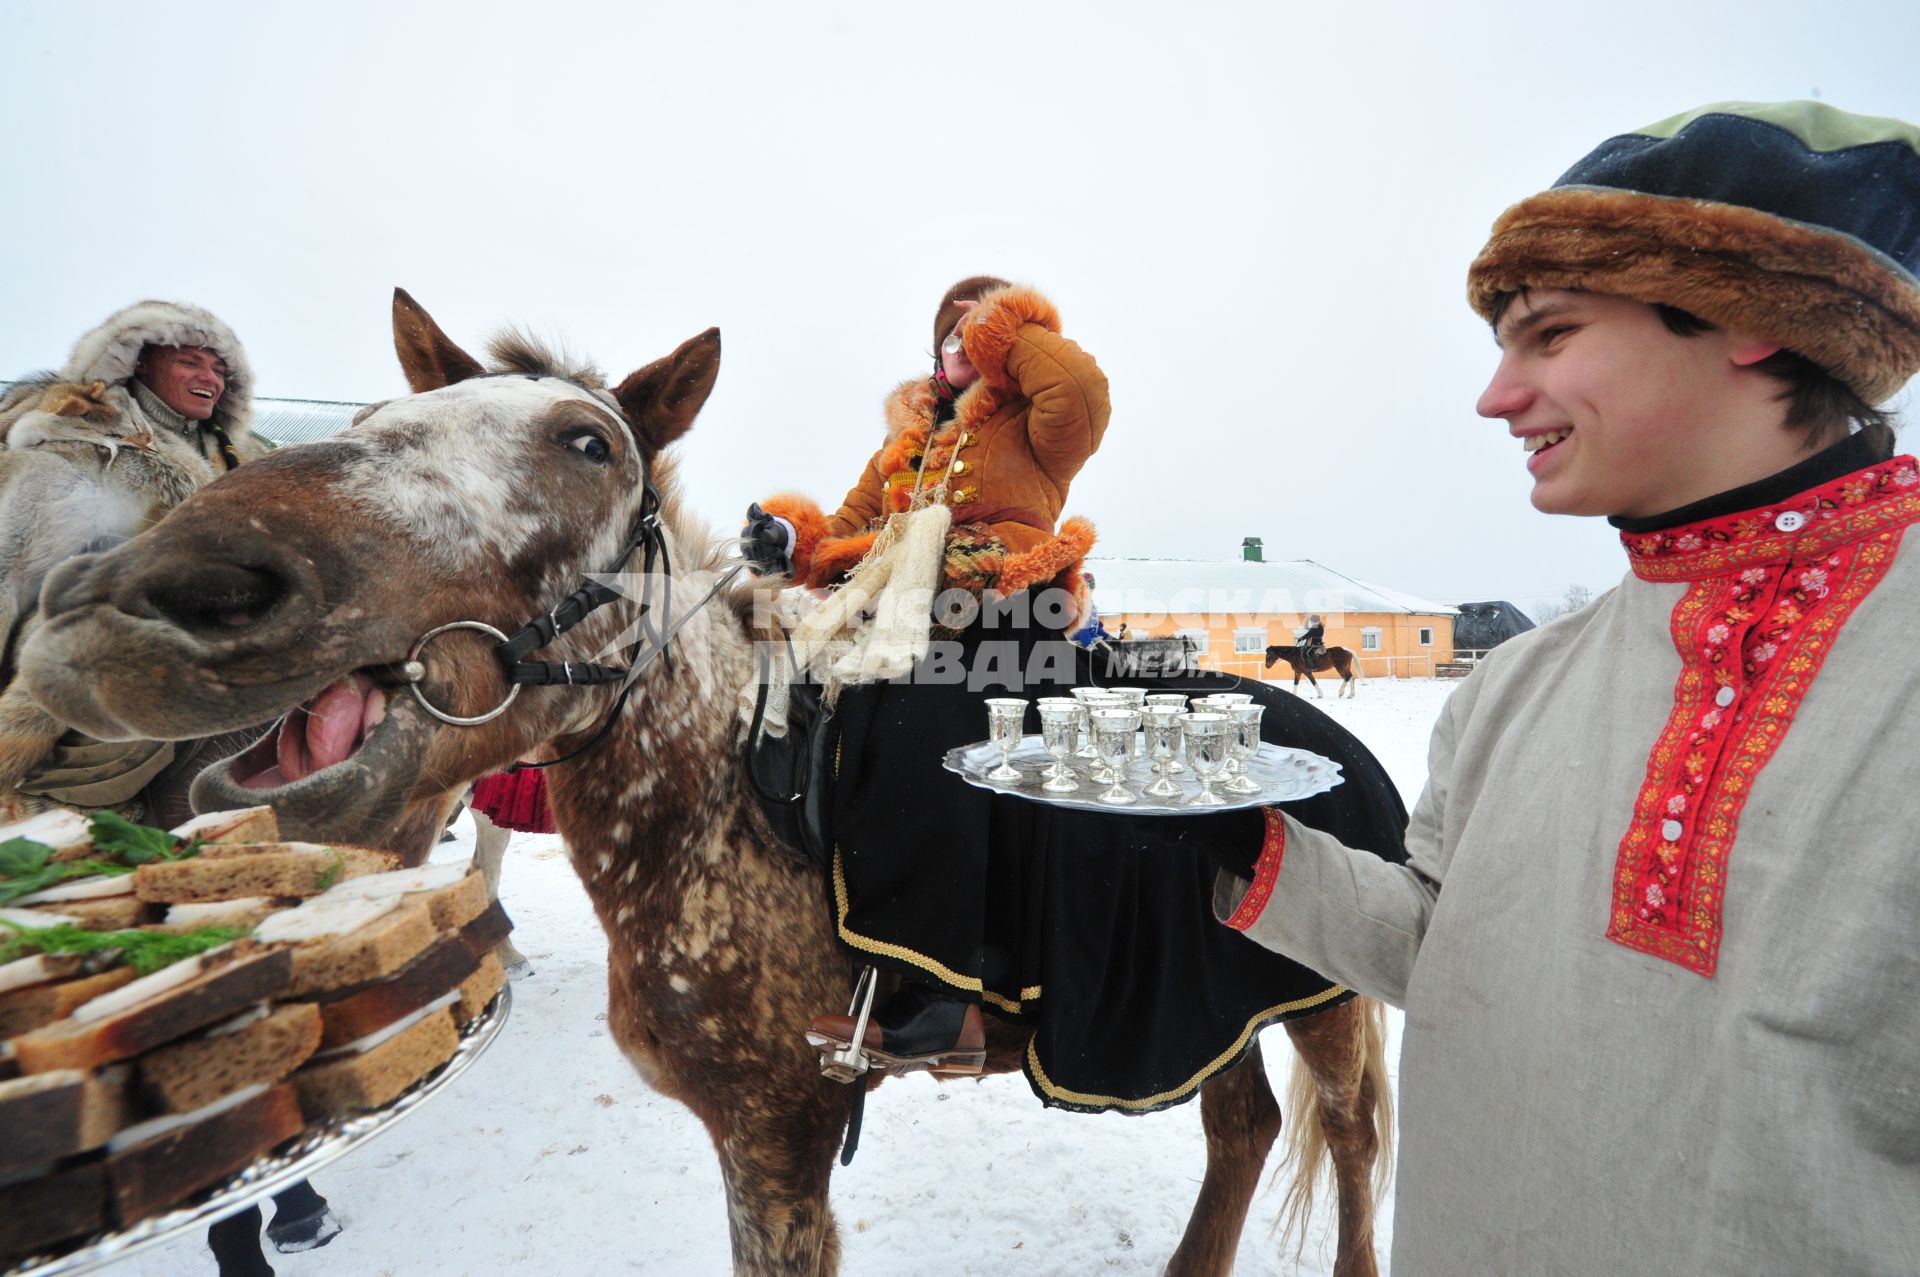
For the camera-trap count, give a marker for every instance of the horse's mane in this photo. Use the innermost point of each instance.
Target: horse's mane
(514, 350)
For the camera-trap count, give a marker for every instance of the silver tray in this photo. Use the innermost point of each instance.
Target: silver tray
(1285, 775)
(318, 1145)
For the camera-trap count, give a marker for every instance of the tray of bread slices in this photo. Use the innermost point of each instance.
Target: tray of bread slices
(192, 1018)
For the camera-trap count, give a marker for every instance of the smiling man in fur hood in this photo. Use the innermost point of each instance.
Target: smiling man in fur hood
(152, 405)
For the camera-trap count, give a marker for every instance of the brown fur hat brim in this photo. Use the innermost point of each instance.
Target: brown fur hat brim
(1819, 293)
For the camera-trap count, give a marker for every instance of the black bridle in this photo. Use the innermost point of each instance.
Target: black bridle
(649, 539)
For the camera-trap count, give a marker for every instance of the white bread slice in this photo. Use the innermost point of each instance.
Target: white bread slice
(246, 824)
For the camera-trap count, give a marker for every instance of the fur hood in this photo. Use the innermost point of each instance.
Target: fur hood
(109, 352)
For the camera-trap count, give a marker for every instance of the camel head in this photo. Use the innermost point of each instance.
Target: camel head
(291, 592)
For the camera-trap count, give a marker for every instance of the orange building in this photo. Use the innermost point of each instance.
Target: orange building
(1235, 608)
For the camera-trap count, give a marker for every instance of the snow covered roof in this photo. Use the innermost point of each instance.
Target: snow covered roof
(301, 420)
(1211, 587)
(292, 420)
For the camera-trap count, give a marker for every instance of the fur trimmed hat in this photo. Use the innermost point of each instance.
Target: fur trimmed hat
(109, 352)
(971, 289)
(1791, 221)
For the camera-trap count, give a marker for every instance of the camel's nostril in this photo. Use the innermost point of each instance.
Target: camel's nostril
(222, 598)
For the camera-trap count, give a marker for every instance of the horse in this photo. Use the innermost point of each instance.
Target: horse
(346, 575)
(1337, 659)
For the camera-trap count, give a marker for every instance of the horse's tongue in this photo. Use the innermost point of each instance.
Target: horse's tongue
(333, 722)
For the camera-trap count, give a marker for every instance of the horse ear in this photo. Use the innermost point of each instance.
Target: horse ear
(428, 356)
(662, 399)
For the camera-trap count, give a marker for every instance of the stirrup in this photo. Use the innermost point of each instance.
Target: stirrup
(850, 1062)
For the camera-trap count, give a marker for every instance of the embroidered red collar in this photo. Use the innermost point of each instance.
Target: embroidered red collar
(1886, 494)
(1768, 592)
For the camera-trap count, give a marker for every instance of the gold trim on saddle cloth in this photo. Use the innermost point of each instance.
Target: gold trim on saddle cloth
(932, 966)
(1259, 1020)
(1188, 1087)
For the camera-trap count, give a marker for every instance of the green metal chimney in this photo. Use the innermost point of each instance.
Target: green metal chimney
(1250, 549)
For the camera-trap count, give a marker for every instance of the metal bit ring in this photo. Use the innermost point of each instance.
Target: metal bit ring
(416, 673)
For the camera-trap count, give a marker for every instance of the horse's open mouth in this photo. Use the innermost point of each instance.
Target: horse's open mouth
(325, 732)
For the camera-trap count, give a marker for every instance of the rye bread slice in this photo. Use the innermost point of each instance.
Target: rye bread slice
(194, 1072)
(374, 1077)
(157, 1173)
(455, 906)
(111, 913)
(484, 934)
(46, 1207)
(477, 990)
(372, 952)
(354, 1014)
(228, 872)
(48, 1116)
(24, 1010)
(231, 981)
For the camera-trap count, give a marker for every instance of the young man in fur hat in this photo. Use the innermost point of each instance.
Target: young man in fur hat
(1657, 939)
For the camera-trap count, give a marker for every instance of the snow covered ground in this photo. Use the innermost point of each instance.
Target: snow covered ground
(550, 1153)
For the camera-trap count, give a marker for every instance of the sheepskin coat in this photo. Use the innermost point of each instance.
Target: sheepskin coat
(1004, 462)
(84, 464)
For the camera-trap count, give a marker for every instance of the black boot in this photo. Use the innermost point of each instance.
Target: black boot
(920, 1027)
(301, 1220)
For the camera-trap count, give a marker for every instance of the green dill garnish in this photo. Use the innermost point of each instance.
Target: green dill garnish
(27, 866)
(145, 951)
(335, 868)
(133, 844)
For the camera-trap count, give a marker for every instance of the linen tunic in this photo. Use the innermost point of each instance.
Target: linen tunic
(1662, 987)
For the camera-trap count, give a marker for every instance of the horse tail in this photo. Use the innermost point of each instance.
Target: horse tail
(1308, 1148)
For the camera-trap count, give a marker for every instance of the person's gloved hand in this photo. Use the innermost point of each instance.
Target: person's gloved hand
(766, 543)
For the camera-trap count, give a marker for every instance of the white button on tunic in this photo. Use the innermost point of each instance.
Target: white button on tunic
(1723, 697)
(1790, 521)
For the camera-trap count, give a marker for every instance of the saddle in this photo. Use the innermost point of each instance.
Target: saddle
(792, 775)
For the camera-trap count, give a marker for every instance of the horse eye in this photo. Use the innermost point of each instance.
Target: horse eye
(591, 446)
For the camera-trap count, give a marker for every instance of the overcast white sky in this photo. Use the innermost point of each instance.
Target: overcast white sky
(1257, 216)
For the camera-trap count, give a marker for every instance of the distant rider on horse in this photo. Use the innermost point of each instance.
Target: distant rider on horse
(1313, 641)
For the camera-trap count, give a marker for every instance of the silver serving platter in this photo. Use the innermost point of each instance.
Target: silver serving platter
(1284, 775)
(315, 1147)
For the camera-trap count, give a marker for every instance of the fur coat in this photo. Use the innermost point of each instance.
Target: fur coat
(84, 465)
(1003, 462)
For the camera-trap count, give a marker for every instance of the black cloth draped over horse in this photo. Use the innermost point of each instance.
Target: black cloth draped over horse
(1096, 929)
